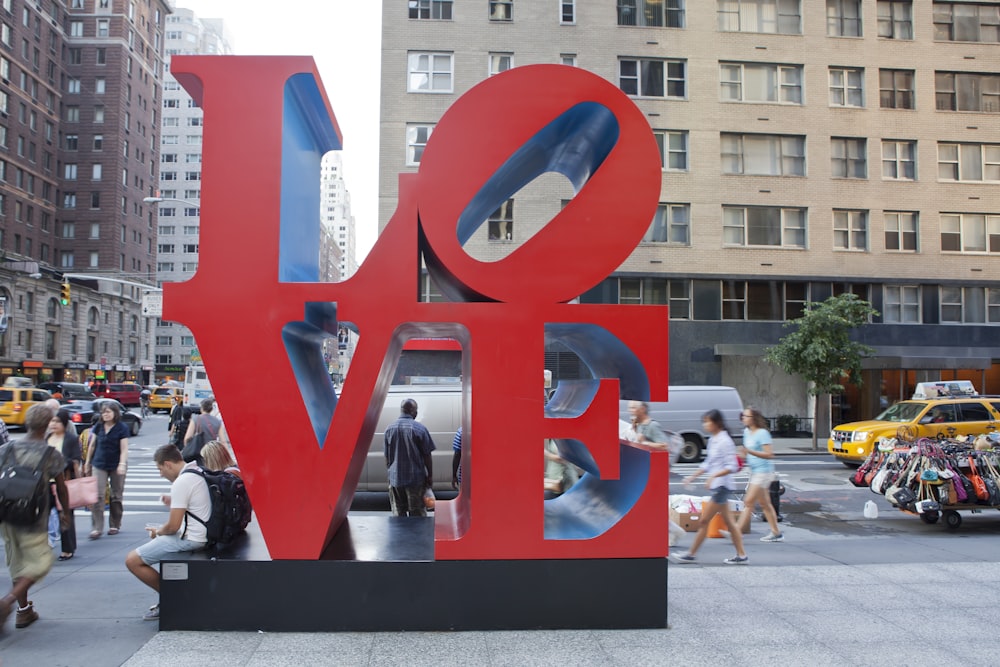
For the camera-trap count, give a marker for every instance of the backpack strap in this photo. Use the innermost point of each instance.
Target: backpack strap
(200, 473)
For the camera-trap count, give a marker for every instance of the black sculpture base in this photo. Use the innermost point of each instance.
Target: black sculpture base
(378, 574)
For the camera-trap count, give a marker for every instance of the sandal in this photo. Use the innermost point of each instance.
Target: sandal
(112, 531)
(95, 534)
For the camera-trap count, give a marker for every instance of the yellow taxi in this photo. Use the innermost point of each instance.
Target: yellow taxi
(947, 417)
(15, 401)
(162, 398)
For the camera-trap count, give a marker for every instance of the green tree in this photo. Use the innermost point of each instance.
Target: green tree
(820, 349)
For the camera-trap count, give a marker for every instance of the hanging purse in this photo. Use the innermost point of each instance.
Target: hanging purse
(978, 485)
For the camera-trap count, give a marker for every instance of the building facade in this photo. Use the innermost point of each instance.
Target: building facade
(179, 187)
(80, 84)
(808, 149)
(338, 221)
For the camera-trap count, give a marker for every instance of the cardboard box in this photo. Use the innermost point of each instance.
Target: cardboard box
(692, 522)
(689, 522)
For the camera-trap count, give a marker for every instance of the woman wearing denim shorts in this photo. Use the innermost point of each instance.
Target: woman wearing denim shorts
(720, 464)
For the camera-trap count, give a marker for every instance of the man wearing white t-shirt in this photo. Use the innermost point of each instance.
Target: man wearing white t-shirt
(188, 493)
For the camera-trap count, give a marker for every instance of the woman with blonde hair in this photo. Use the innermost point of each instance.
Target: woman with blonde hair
(760, 460)
(215, 456)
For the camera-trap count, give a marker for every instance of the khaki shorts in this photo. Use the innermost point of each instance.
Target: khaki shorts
(28, 553)
(762, 478)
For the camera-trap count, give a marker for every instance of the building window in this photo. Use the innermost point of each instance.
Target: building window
(673, 145)
(901, 304)
(769, 16)
(103, 28)
(94, 259)
(501, 10)
(900, 231)
(895, 88)
(969, 162)
(648, 77)
(850, 230)
(764, 226)
(439, 10)
(651, 13)
(429, 72)
(970, 232)
(500, 62)
(966, 91)
(848, 158)
(966, 22)
(756, 82)
(763, 154)
(970, 305)
(416, 141)
(671, 224)
(96, 172)
(843, 18)
(66, 259)
(649, 291)
(567, 11)
(501, 223)
(847, 87)
(895, 19)
(76, 28)
(72, 114)
(568, 59)
(899, 160)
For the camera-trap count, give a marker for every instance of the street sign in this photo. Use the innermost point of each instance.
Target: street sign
(152, 304)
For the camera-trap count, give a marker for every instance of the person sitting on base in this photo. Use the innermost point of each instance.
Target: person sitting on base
(188, 493)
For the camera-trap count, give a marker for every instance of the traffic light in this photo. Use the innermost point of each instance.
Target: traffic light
(65, 298)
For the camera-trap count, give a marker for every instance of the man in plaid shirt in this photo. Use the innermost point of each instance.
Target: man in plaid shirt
(408, 447)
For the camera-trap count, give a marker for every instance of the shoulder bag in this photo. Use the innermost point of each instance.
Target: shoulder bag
(202, 436)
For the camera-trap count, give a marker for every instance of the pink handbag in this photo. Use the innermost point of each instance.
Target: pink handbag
(82, 492)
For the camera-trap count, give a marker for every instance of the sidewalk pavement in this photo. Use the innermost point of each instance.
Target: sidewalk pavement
(815, 599)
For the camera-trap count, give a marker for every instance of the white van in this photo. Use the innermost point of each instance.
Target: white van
(682, 415)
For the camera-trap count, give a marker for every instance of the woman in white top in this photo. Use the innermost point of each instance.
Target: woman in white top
(760, 460)
(720, 464)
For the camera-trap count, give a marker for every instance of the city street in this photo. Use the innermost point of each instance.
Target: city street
(834, 565)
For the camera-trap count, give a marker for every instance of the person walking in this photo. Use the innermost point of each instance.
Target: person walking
(107, 459)
(647, 430)
(720, 465)
(760, 460)
(408, 447)
(62, 436)
(29, 556)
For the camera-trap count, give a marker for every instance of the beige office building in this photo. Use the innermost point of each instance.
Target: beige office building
(808, 147)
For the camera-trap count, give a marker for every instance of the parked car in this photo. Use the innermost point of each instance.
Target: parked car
(682, 415)
(15, 401)
(162, 398)
(83, 414)
(126, 393)
(68, 391)
(852, 443)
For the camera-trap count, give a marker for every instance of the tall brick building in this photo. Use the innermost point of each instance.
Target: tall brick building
(809, 148)
(79, 150)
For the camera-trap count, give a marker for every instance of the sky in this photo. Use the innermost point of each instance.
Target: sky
(344, 38)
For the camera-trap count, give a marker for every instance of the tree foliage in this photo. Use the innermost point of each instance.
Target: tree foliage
(820, 349)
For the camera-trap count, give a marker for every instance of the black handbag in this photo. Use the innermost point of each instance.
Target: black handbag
(203, 436)
(905, 497)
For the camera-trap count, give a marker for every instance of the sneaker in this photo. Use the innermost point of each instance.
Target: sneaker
(726, 534)
(685, 559)
(153, 614)
(26, 616)
(737, 560)
(780, 537)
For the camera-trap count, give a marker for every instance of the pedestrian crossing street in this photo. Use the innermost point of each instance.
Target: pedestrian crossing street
(143, 488)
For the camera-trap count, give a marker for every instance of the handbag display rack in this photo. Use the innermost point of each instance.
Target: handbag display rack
(933, 479)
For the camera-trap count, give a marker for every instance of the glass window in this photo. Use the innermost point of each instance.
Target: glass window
(964, 91)
(847, 87)
(416, 141)
(673, 146)
(429, 72)
(843, 18)
(899, 160)
(764, 226)
(648, 77)
(900, 231)
(651, 13)
(430, 9)
(967, 22)
(757, 82)
(768, 16)
(671, 224)
(895, 87)
(850, 230)
(848, 158)
(895, 19)
(763, 154)
(901, 304)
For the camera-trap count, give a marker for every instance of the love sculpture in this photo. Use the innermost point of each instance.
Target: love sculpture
(255, 298)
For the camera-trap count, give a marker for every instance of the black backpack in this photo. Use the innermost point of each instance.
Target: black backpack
(24, 490)
(231, 506)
